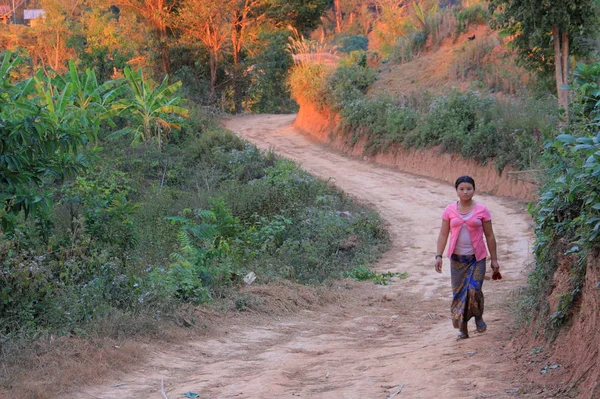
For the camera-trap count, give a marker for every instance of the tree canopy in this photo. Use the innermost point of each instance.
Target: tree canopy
(303, 15)
(546, 33)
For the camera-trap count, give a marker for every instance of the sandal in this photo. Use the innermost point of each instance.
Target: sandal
(462, 335)
(481, 327)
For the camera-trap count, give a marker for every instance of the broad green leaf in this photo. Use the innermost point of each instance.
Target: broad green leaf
(565, 138)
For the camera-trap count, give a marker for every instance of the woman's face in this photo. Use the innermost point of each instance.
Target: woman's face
(465, 191)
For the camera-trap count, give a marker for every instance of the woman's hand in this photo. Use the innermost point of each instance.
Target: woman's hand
(438, 265)
(495, 266)
(496, 275)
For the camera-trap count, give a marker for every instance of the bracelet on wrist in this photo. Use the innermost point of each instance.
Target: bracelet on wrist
(438, 256)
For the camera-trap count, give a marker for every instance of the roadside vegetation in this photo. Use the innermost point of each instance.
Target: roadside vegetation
(121, 204)
(474, 124)
(567, 215)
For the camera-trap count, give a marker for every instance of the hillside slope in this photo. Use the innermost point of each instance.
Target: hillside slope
(476, 59)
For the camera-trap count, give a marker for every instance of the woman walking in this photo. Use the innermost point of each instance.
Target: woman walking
(467, 222)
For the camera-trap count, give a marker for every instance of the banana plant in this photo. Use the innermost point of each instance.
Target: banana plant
(88, 101)
(150, 109)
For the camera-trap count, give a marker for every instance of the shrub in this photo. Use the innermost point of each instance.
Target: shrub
(567, 216)
(347, 44)
(268, 92)
(307, 82)
(477, 127)
(320, 246)
(348, 83)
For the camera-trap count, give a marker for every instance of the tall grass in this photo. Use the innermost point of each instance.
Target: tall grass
(307, 51)
(469, 59)
(486, 64)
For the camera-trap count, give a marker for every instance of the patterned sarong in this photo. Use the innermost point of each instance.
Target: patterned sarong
(467, 279)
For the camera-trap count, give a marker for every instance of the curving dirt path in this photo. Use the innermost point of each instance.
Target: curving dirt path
(392, 341)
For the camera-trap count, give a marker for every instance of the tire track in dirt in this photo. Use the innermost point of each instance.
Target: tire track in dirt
(381, 337)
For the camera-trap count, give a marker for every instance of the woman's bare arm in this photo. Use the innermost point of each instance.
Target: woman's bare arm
(441, 244)
(491, 243)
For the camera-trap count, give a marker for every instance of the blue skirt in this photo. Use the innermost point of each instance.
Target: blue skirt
(467, 279)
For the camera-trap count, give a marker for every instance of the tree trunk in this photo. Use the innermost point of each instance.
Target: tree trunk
(561, 57)
(565, 68)
(56, 50)
(165, 58)
(213, 73)
(236, 41)
(338, 15)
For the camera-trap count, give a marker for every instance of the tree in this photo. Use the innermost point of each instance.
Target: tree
(104, 40)
(208, 22)
(337, 10)
(268, 91)
(159, 14)
(244, 14)
(53, 33)
(149, 108)
(391, 20)
(546, 33)
(226, 26)
(303, 15)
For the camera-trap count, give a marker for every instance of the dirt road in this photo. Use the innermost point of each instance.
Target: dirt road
(392, 341)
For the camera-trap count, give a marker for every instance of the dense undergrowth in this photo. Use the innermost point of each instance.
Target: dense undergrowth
(173, 219)
(567, 216)
(473, 124)
(147, 229)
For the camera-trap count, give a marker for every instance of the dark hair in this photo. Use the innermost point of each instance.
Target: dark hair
(464, 179)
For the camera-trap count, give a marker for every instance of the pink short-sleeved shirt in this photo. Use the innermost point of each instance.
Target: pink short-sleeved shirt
(474, 226)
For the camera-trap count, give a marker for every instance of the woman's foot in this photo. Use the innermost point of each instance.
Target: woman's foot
(464, 332)
(481, 326)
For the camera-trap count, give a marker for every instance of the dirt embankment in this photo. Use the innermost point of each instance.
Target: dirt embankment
(324, 126)
(574, 356)
(580, 345)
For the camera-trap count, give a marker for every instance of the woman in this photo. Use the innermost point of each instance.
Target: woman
(467, 222)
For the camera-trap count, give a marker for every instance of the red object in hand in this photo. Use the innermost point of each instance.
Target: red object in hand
(496, 275)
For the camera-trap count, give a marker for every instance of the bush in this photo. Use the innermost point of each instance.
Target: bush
(347, 44)
(348, 83)
(108, 248)
(567, 216)
(268, 92)
(475, 126)
(307, 82)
